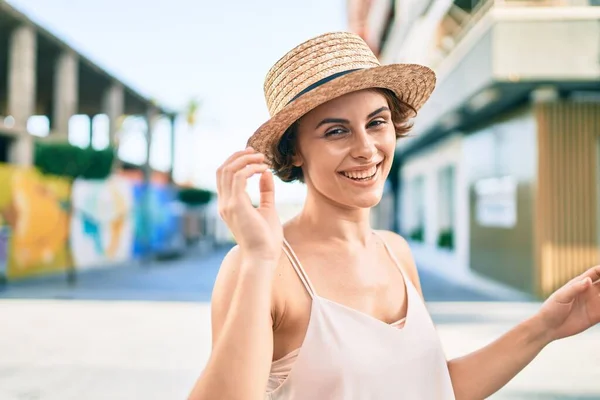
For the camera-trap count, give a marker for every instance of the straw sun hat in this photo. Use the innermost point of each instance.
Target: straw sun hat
(326, 67)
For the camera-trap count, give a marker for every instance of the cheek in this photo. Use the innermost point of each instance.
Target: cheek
(388, 141)
(323, 160)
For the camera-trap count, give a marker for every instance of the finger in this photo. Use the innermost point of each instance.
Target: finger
(237, 154)
(233, 167)
(241, 178)
(567, 293)
(267, 190)
(592, 273)
(245, 160)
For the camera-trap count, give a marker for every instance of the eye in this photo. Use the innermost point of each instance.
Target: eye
(376, 123)
(335, 132)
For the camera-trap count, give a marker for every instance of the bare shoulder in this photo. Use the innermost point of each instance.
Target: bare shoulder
(227, 281)
(399, 246)
(223, 289)
(227, 277)
(230, 263)
(229, 272)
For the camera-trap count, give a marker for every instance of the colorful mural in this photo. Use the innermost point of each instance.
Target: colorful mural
(49, 224)
(160, 229)
(5, 201)
(36, 210)
(4, 242)
(102, 222)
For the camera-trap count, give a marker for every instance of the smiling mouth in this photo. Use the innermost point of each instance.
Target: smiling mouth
(361, 176)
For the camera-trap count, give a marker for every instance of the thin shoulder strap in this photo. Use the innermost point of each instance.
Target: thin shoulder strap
(289, 252)
(391, 254)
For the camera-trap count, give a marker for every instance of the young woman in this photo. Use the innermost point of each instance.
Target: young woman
(325, 307)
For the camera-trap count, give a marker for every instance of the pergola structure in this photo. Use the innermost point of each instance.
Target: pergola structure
(42, 75)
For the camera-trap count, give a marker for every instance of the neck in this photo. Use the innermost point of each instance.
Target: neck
(326, 220)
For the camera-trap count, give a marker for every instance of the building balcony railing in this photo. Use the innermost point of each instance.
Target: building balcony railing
(458, 22)
(496, 54)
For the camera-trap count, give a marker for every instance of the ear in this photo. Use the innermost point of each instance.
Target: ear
(297, 160)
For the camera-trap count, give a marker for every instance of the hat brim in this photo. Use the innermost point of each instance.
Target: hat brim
(412, 83)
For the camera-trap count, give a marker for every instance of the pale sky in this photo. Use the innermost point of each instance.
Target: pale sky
(216, 51)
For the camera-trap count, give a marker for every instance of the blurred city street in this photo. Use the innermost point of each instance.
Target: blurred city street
(151, 338)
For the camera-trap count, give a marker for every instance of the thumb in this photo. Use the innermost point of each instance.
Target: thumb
(568, 293)
(267, 190)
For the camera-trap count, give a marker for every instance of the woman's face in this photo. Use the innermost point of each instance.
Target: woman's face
(346, 148)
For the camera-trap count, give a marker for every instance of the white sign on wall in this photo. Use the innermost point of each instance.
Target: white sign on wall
(496, 202)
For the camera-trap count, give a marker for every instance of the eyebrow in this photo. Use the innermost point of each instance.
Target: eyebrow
(379, 110)
(345, 121)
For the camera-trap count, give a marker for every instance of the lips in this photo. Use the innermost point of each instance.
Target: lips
(362, 175)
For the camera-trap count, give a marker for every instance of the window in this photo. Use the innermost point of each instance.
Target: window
(417, 209)
(446, 187)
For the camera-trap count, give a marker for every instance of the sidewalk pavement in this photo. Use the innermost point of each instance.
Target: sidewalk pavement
(191, 279)
(87, 348)
(123, 350)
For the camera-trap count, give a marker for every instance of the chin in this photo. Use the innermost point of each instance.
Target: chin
(352, 194)
(367, 200)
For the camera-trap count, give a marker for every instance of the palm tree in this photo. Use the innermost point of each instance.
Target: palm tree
(191, 112)
(191, 116)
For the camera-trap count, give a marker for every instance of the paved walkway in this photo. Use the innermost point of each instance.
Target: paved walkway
(189, 279)
(143, 332)
(98, 350)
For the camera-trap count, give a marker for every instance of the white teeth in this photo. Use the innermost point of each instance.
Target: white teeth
(368, 173)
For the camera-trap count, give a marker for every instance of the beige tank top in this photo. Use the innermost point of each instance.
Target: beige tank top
(350, 355)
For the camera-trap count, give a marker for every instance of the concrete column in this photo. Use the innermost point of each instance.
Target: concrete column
(113, 105)
(172, 120)
(20, 151)
(22, 75)
(22, 90)
(66, 88)
(152, 116)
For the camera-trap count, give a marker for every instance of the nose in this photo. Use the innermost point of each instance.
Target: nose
(363, 145)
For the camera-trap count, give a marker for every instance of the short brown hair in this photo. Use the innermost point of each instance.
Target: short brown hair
(285, 149)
